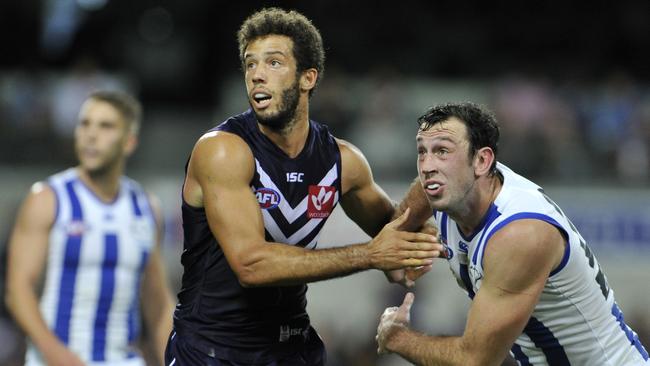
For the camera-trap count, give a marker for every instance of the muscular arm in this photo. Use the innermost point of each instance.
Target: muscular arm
(517, 263)
(362, 199)
(421, 211)
(28, 249)
(218, 178)
(157, 303)
(419, 220)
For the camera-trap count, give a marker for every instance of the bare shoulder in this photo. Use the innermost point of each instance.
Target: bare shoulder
(523, 252)
(39, 207)
(348, 150)
(219, 146)
(355, 170)
(218, 158)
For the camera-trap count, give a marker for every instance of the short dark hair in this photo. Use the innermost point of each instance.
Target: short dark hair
(307, 42)
(129, 107)
(482, 126)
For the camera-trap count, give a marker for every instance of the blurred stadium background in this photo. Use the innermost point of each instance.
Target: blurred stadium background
(569, 82)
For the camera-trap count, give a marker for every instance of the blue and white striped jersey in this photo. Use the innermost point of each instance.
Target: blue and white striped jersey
(577, 320)
(97, 254)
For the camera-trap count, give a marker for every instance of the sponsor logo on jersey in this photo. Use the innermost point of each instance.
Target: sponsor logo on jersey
(320, 201)
(294, 177)
(287, 332)
(475, 274)
(76, 228)
(267, 198)
(449, 254)
(462, 253)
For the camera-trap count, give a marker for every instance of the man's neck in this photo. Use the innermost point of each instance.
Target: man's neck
(293, 137)
(106, 185)
(478, 204)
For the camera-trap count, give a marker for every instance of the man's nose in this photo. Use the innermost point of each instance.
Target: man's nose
(427, 164)
(259, 74)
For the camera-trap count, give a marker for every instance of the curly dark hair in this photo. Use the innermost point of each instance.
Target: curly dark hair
(482, 126)
(308, 47)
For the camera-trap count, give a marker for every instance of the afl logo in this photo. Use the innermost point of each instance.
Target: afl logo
(267, 198)
(76, 228)
(449, 254)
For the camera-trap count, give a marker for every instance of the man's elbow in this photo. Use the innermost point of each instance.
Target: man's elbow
(474, 356)
(248, 280)
(254, 268)
(249, 275)
(10, 298)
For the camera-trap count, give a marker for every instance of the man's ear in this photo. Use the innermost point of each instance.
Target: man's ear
(483, 160)
(308, 79)
(131, 144)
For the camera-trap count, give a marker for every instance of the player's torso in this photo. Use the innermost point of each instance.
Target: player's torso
(296, 195)
(576, 320)
(97, 253)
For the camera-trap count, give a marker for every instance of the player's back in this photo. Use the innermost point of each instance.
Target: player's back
(296, 195)
(96, 256)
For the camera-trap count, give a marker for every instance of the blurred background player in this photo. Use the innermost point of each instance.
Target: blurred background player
(258, 190)
(97, 233)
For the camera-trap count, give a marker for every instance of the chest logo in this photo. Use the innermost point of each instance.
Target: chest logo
(476, 275)
(76, 228)
(294, 177)
(320, 201)
(449, 253)
(267, 198)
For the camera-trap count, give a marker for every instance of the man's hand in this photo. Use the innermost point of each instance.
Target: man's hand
(59, 355)
(430, 228)
(395, 249)
(407, 276)
(391, 320)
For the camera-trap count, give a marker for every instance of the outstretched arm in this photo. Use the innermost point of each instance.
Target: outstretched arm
(218, 178)
(28, 248)
(517, 263)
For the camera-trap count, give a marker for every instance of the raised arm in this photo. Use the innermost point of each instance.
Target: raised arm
(219, 173)
(157, 302)
(517, 263)
(28, 249)
(416, 200)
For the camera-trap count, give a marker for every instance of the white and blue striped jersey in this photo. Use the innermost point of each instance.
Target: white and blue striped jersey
(577, 320)
(97, 254)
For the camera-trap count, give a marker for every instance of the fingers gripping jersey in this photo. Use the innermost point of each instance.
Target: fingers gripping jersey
(97, 253)
(577, 320)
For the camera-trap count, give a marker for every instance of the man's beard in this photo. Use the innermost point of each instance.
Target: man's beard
(286, 110)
